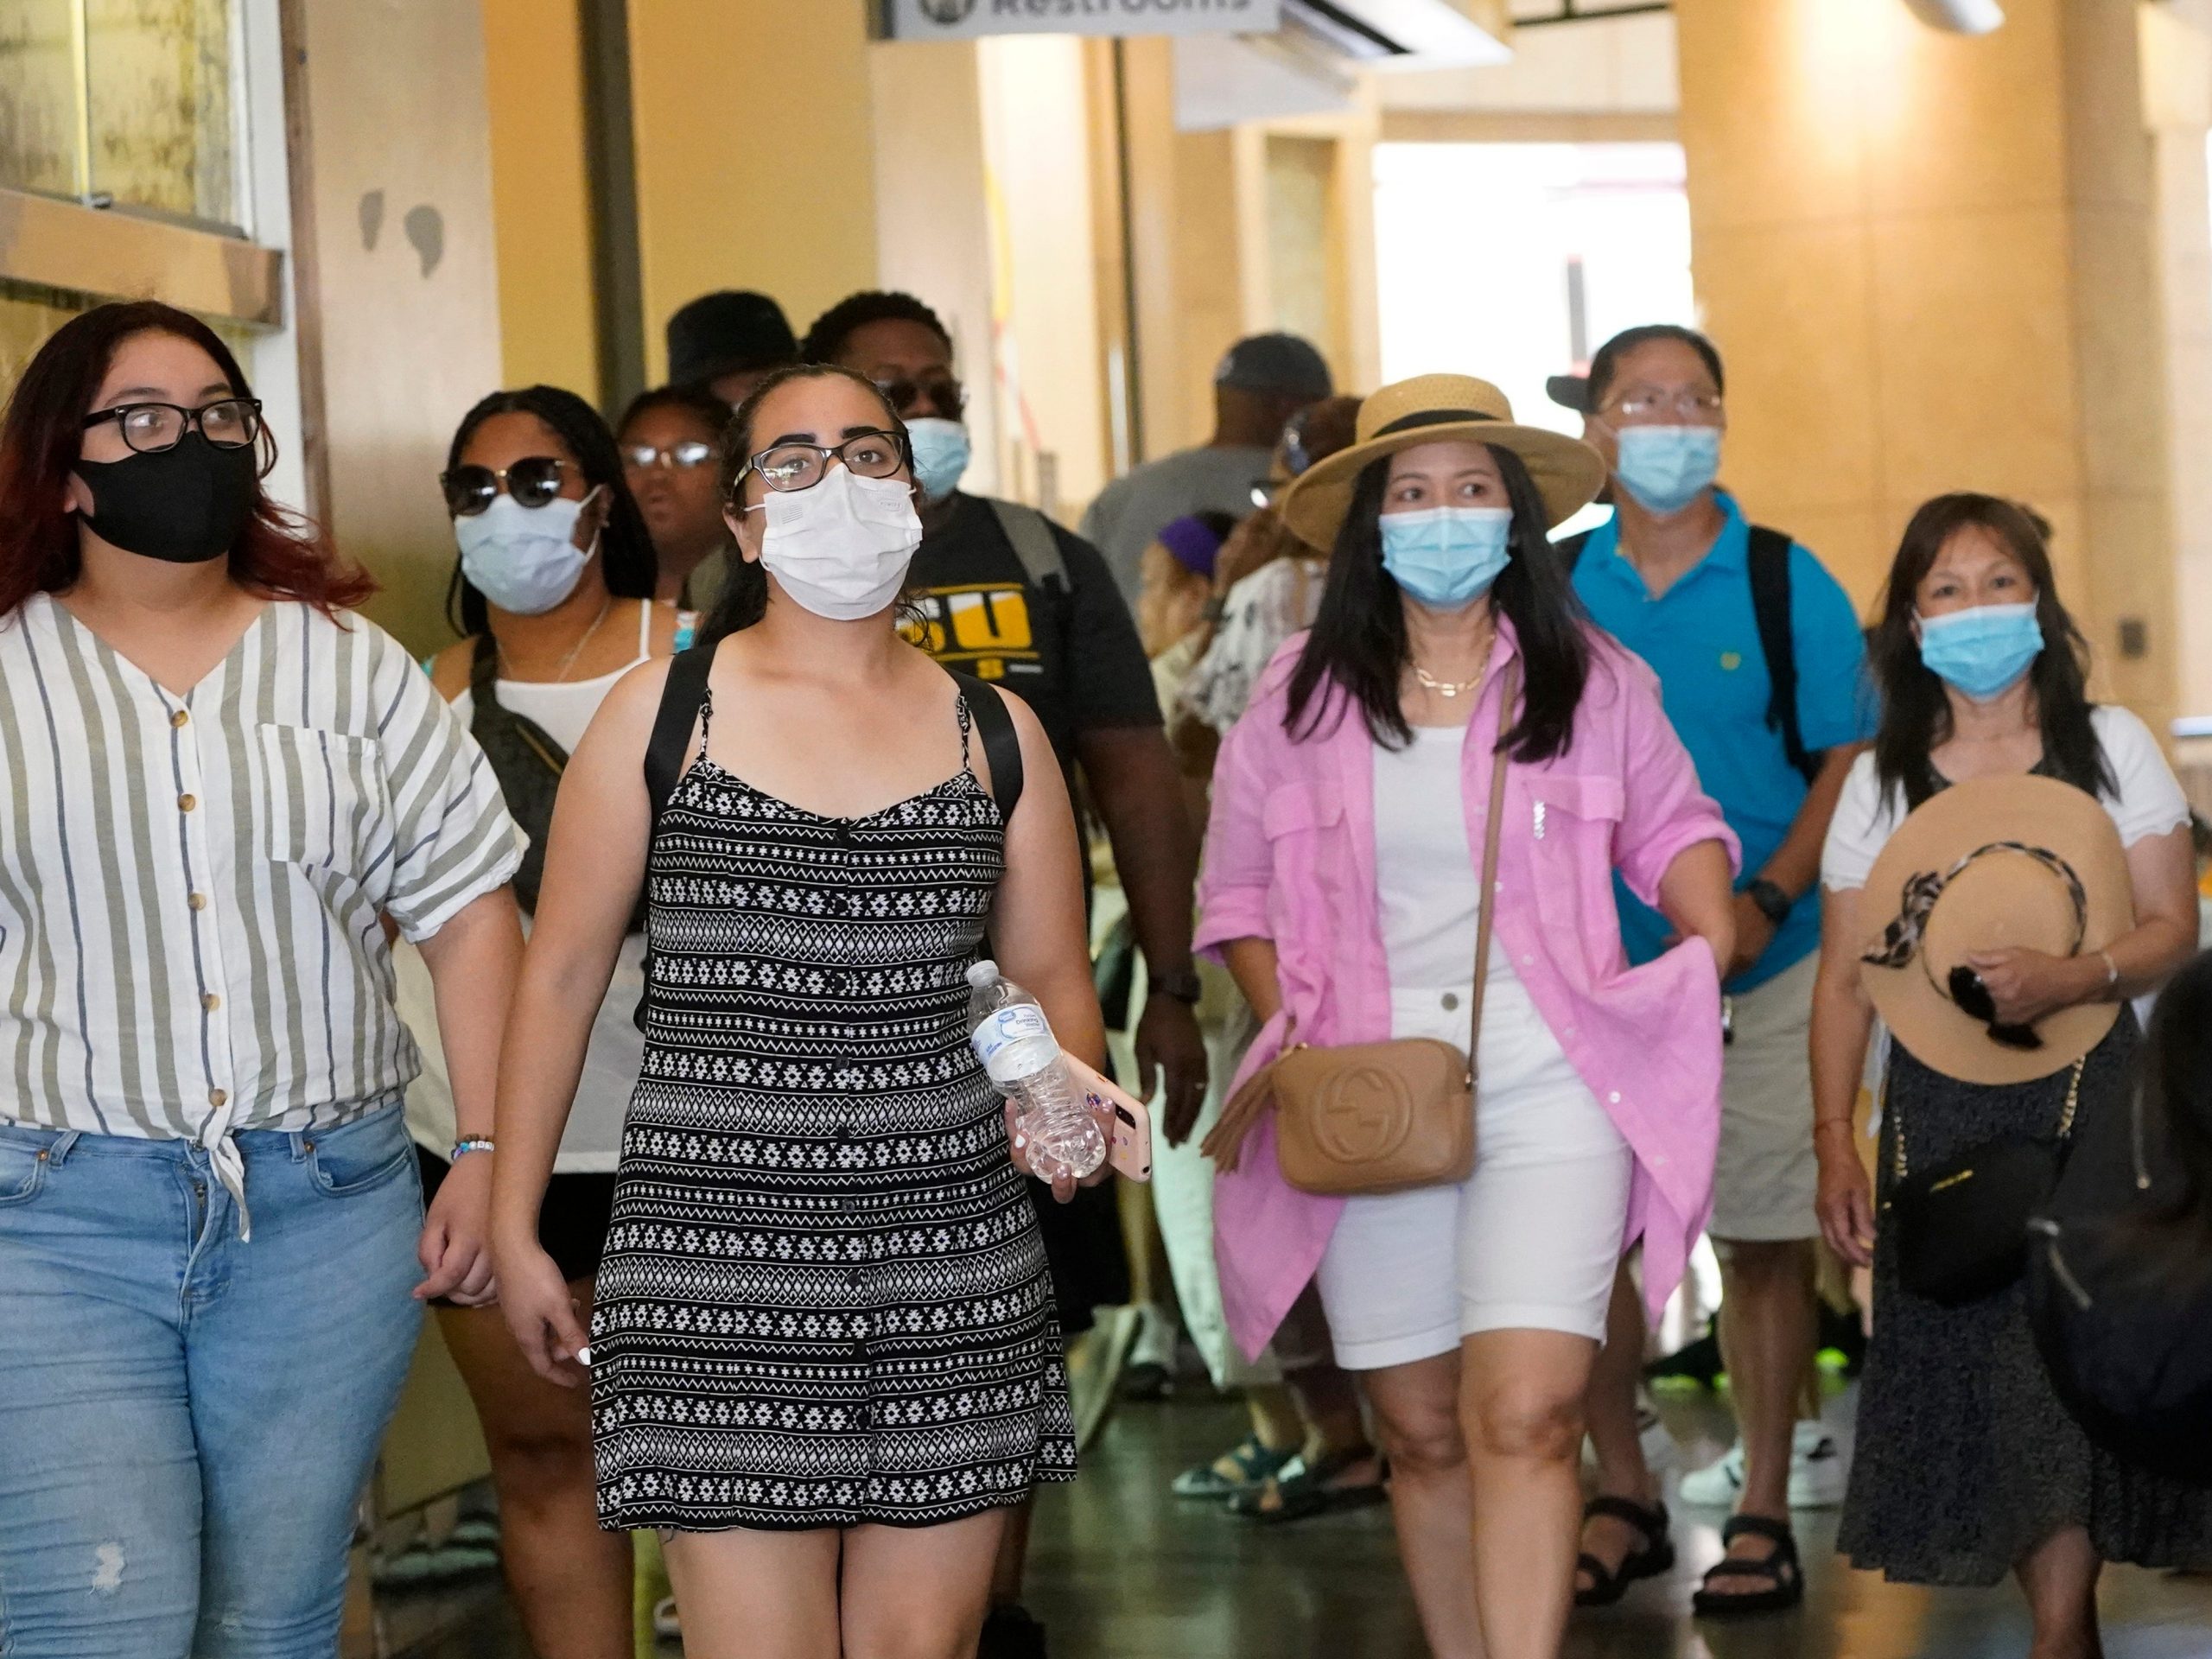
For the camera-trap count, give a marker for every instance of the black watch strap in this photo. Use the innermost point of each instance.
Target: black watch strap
(1184, 987)
(1774, 904)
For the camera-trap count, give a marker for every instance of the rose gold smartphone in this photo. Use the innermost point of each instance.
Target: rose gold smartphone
(1130, 1148)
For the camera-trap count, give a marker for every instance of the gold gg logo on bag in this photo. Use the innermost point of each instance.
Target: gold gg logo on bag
(1364, 1114)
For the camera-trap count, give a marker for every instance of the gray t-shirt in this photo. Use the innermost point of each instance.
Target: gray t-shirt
(1129, 512)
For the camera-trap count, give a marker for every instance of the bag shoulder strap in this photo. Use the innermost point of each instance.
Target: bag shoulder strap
(1769, 563)
(1034, 544)
(681, 697)
(1001, 743)
(1493, 827)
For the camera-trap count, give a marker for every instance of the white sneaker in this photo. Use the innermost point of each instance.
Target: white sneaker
(1816, 1474)
(1661, 1451)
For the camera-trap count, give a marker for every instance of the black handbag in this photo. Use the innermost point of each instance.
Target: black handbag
(1961, 1225)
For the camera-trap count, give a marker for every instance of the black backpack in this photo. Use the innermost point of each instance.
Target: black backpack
(1769, 568)
(686, 690)
(2119, 1297)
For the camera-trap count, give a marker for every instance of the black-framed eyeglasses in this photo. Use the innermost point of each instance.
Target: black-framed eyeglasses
(685, 457)
(788, 466)
(944, 394)
(533, 481)
(148, 429)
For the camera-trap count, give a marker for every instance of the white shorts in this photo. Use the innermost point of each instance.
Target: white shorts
(1767, 1178)
(1530, 1242)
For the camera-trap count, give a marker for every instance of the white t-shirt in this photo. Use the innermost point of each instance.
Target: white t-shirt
(2150, 801)
(592, 1143)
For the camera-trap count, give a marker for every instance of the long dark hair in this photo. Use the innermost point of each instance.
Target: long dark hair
(279, 554)
(626, 547)
(1358, 649)
(1917, 712)
(2176, 1079)
(744, 599)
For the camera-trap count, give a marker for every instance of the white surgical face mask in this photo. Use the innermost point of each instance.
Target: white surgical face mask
(840, 549)
(524, 560)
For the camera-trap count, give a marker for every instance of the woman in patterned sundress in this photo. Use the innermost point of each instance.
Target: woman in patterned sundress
(824, 1357)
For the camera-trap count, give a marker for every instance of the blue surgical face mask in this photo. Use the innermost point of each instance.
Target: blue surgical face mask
(1446, 557)
(941, 456)
(1984, 650)
(523, 559)
(1667, 467)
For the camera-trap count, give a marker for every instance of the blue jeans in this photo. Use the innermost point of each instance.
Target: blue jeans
(187, 1422)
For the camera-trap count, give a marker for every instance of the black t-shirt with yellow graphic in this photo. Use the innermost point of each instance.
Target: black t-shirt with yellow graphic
(1072, 652)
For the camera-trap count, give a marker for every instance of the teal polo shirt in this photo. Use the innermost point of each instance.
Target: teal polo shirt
(1702, 640)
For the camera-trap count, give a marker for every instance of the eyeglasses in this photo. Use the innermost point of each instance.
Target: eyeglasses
(943, 393)
(533, 481)
(1699, 408)
(788, 466)
(148, 429)
(685, 457)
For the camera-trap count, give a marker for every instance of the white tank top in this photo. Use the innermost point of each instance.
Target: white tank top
(592, 1140)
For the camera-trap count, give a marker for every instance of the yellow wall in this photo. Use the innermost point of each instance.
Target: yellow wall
(401, 301)
(1037, 140)
(541, 197)
(933, 232)
(756, 165)
(1930, 260)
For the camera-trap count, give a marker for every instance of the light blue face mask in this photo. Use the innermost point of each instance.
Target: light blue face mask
(941, 456)
(1984, 650)
(1446, 557)
(1667, 467)
(524, 560)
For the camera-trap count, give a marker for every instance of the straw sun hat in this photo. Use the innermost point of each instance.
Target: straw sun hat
(1436, 408)
(1988, 865)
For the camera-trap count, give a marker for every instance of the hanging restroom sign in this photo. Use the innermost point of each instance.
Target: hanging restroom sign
(966, 20)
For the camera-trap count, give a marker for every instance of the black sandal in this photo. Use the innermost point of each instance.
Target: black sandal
(1784, 1573)
(1608, 1585)
(1301, 1488)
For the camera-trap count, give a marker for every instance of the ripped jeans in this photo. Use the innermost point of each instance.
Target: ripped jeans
(186, 1421)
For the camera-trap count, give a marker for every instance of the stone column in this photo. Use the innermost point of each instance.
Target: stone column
(1932, 261)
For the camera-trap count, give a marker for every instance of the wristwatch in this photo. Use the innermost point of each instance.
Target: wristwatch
(1184, 987)
(1774, 904)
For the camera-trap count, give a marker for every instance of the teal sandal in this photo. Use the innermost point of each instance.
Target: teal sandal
(1253, 1462)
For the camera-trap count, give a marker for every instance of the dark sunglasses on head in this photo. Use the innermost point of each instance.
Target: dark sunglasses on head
(682, 457)
(1976, 1003)
(533, 481)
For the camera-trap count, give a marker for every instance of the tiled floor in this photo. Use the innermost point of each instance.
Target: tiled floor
(1120, 1571)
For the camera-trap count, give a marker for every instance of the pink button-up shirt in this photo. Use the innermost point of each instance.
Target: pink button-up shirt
(1290, 858)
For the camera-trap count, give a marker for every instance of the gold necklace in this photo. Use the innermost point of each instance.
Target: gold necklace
(1451, 687)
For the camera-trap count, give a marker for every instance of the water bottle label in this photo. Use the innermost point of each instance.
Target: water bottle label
(1003, 1027)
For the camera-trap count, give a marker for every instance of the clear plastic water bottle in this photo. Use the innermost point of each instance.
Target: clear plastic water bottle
(1015, 1042)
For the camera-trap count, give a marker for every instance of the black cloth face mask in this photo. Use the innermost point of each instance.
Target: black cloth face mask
(185, 504)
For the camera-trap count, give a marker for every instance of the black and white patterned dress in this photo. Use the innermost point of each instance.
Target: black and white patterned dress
(823, 1300)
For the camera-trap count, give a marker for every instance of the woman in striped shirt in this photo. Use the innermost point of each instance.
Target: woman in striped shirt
(216, 785)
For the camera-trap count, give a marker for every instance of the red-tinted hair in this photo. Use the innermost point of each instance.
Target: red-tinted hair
(279, 554)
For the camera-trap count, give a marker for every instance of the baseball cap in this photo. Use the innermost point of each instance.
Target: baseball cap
(725, 332)
(1275, 363)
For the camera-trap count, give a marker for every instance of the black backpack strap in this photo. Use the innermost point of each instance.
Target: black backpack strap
(1001, 743)
(680, 700)
(1770, 573)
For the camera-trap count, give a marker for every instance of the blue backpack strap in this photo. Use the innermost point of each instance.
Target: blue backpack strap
(1001, 743)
